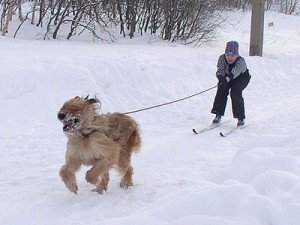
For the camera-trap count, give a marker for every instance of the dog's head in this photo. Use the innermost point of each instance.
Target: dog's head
(76, 111)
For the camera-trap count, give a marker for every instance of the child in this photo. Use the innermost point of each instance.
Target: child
(233, 75)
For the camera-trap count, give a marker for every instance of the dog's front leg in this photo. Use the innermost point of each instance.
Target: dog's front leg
(67, 172)
(100, 168)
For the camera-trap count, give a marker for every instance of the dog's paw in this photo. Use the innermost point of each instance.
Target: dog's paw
(73, 188)
(126, 185)
(100, 190)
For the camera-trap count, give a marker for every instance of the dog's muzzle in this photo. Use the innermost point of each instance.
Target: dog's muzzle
(70, 123)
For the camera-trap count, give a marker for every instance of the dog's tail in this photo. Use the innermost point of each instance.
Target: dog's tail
(136, 140)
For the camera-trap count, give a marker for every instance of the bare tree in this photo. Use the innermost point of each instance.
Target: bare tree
(120, 11)
(186, 21)
(61, 18)
(8, 17)
(235, 4)
(288, 6)
(42, 12)
(190, 21)
(269, 4)
(20, 10)
(33, 11)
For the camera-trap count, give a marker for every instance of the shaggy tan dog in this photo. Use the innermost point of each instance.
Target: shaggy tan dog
(100, 140)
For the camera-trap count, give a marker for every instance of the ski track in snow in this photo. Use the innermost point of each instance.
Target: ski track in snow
(249, 178)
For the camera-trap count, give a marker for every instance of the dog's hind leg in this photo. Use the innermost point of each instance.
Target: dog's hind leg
(100, 168)
(125, 168)
(126, 180)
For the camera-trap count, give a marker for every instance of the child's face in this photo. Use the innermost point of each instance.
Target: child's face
(231, 59)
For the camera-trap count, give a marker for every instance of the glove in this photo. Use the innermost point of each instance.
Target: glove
(222, 82)
(229, 77)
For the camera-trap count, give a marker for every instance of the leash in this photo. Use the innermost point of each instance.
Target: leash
(178, 100)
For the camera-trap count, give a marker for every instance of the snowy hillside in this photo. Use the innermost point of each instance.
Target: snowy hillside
(249, 178)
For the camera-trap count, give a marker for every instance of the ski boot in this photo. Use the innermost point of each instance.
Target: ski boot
(217, 119)
(241, 122)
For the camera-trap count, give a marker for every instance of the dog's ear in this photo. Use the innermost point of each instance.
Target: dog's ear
(87, 97)
(92, 101)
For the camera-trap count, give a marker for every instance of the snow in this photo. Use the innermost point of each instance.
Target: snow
(251, 177)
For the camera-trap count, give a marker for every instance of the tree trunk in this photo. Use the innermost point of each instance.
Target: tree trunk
(61, 20)
(8, 18)
(20, 10)
(121, 19)
(33, 12)
(42, 12)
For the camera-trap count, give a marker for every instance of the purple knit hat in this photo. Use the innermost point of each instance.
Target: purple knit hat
(232, 48)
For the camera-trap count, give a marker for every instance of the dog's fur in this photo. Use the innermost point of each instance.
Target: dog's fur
(100, 140)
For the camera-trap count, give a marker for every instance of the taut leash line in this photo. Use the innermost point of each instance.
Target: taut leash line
(178, 100)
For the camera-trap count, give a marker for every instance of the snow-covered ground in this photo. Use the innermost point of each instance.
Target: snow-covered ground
(249, 178)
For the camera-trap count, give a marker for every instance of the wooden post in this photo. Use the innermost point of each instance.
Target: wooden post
(257, 28)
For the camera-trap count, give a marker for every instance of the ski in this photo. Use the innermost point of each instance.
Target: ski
(233, 130)
(210, 127)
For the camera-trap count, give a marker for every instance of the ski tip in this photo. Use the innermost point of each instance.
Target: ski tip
(195, 132)
(222, 135)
